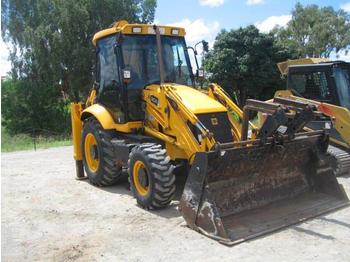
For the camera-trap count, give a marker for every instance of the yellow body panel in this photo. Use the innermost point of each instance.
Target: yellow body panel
(340, 115)
(180, 142)
(198, 102)
(125, 28)
(106, 120)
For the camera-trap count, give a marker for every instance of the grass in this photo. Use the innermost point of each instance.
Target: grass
(25, 142)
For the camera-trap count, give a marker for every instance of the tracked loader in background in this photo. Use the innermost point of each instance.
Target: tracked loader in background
(324, 84)
(145, 115)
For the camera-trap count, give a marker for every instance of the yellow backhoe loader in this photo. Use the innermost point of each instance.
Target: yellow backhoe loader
(326, 85)
(145, 116)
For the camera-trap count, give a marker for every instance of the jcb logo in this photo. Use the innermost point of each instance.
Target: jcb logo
(154, 100)
(214, 121)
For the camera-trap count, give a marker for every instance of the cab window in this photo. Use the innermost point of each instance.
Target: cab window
(312, 85)
(110, 87)
(342, 79)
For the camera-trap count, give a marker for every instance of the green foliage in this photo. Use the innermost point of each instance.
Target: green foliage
(53, 56)
(315, 31)
(244, 61)
(53, 37)
(28, 105)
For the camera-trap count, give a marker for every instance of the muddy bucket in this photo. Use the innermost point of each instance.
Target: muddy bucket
(242, 193)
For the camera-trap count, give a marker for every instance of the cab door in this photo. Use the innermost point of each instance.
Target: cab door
(110, 91)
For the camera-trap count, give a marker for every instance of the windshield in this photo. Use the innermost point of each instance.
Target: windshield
(140, 57)
(342, 79)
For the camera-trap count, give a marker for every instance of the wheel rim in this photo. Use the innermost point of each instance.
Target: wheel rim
(91, 152)
(140, 178)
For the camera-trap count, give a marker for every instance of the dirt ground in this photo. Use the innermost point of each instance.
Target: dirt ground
(48, 215)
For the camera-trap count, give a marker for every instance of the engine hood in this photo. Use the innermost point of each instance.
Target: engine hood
(197, 101)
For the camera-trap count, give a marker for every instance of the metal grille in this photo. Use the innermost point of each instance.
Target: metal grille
(219, 125)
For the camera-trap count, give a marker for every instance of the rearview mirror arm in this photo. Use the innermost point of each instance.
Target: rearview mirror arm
(195, 55)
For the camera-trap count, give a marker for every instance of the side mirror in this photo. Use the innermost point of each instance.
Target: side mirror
(126, 76)
(205, 46)
(200, 74)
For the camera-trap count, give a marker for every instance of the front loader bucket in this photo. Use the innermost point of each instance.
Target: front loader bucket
(253, 190)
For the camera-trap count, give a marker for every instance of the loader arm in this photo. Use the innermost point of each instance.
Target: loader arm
(165, 108)
(168, 119)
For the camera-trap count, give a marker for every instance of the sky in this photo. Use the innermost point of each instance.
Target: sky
(203, 19)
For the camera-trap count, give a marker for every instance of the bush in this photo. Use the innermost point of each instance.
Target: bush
(27, 106)
(243, 61)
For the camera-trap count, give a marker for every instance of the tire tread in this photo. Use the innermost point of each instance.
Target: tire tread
(162, 174)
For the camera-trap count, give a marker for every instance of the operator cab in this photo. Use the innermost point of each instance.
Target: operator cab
(327, 82)
(131, 50)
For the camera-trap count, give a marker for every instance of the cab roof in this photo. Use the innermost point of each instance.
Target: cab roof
(138, 29)
(283, 66)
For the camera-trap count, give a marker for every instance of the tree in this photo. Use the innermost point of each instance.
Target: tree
(26, 107)
(243, 61)
(51, 39)
(315, 32)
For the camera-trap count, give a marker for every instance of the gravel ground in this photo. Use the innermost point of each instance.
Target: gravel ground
(48, 215)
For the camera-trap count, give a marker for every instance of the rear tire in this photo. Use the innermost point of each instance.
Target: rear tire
(98, 156)
(151, 177)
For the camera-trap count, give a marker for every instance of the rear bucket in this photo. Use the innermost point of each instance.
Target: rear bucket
(251, 191)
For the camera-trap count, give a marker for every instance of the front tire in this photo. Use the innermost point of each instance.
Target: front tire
(151, 177)
(98, 156)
